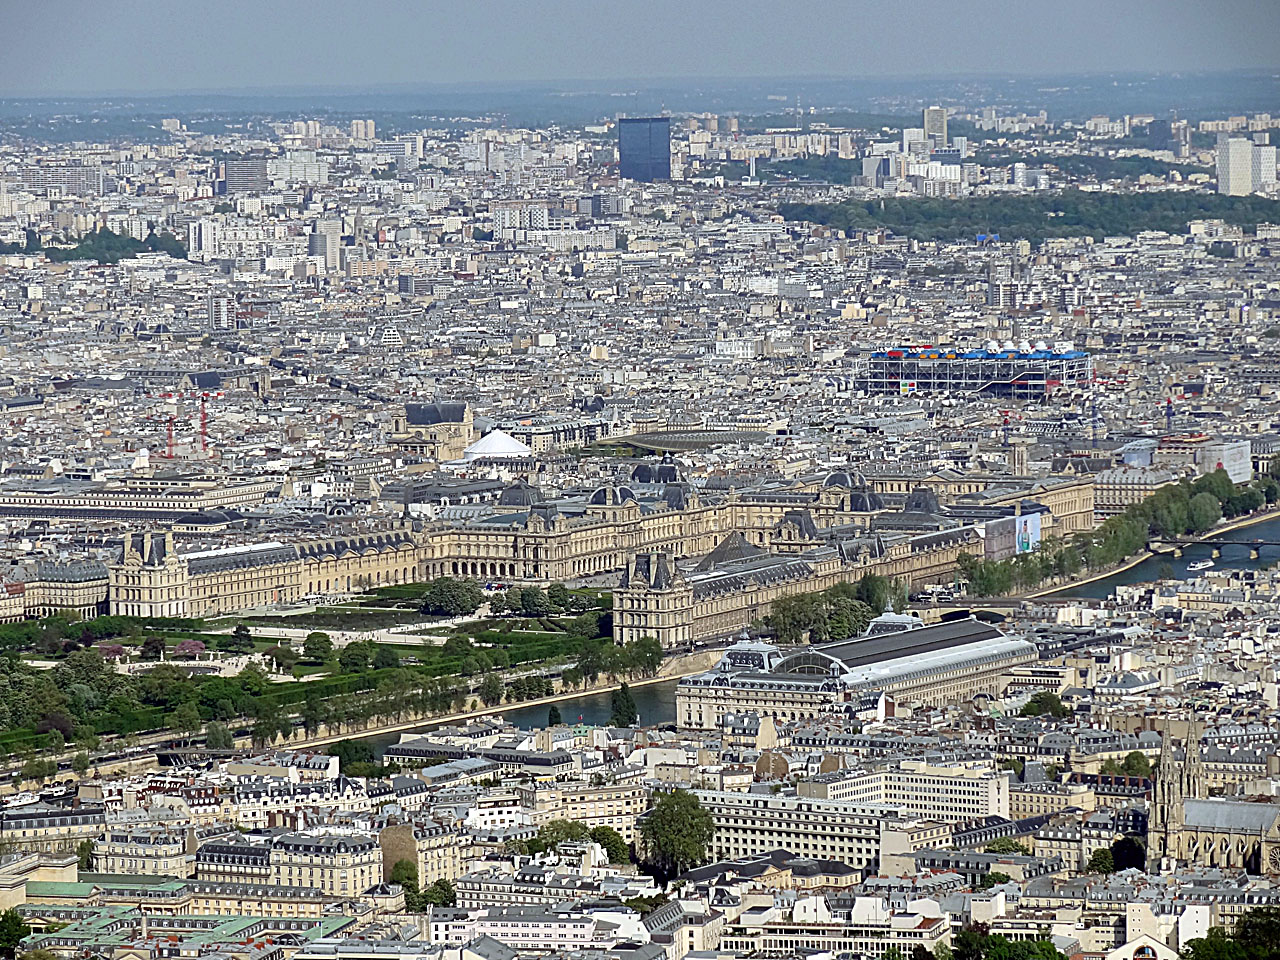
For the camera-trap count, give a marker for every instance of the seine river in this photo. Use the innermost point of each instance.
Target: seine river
(656, 703)
(1235, 553)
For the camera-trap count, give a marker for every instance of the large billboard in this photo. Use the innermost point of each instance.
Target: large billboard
(1027, 537)
(1009, 536)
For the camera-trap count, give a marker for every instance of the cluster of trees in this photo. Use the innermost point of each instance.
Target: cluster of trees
(357, 759)
(536, 602)
(1069, 213)
(1008, 845)
(62, 633)
(676, 834)
(493, 689)
(1135, 764)
(975, 943)
(1186, 507)
(30, 244)
(1045, 703)
(452, 597)
(438, 894)
(1023, 572)
(363, 655)
(596, 657)
(836, 613)
(106, 246)
(455, 597)
(556, 832)
(1256, 937)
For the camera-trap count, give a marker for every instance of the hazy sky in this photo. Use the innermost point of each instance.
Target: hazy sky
(111, 46)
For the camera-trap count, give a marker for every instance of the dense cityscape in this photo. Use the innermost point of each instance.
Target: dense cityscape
(767, 519)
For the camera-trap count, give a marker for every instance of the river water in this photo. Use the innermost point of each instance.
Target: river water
(656, 703)
(1235, 553)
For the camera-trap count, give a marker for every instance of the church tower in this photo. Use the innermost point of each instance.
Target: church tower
(1174, 784)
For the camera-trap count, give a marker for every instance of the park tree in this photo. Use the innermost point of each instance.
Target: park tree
(189, 648)
(553, 716)
(559, 597)
(186, 719)
(451, 597)
(491, 689)
(385, 659)
(1205, 510)
(317, 646)
(240, 640)
(218, 737)
(152, 648)
(623, 708)
(80, 763)
(282, 656)
(676, 834)
(354, 658)
(534, 602)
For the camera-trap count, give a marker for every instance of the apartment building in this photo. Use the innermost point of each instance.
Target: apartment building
(615, 805)
(342, 864)
(870, 930)
(752, 825)
(952, 793)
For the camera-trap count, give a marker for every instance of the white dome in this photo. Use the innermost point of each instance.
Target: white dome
(496, 444)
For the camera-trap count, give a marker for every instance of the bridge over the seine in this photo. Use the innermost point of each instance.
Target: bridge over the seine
(1177, 546)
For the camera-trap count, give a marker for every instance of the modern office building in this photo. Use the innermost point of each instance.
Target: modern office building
(221, 312)
(919, 789)
(1005, 372)
(64, 179)
(245, 175)
(644, 148)
(324, 242)
(935, 125)
(1244, 166)
(1235, 166)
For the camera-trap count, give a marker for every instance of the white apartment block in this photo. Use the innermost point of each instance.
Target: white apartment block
(751, 825)
(951, 793)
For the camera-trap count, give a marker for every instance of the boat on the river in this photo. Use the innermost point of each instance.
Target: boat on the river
(1199, 565)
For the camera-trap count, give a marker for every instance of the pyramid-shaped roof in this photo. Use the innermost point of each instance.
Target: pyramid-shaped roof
(496, 444)
(731, 548)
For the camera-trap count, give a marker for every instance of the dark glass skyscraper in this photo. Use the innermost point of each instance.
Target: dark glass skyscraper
(644, 148)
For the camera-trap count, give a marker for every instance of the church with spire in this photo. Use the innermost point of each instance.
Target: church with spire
(1186, 825)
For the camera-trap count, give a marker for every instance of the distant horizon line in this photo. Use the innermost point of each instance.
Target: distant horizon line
(596, 85)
